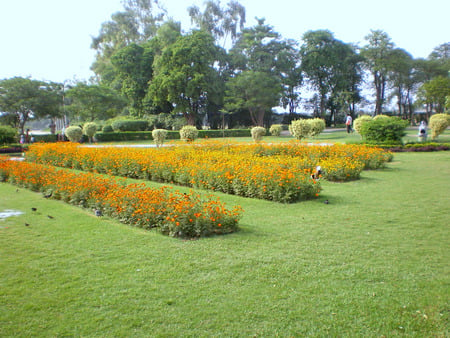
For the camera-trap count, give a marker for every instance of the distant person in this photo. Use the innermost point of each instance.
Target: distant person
(422, 131)
(348, 123)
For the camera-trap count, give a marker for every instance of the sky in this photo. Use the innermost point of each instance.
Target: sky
(50, 39)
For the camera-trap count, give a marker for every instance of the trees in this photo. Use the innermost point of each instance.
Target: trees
(90, 102)
(435, 93)
(185, 75)
(133, 68)
(261, 65)
(377, 54)
(220, 22)
(136, 24)
(24, 99)
(253, 91)
(332, 68)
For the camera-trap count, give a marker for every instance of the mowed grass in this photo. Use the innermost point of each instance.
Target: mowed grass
(372, 262)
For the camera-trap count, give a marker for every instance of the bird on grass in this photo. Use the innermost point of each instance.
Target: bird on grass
(33, 209)
(27, 225)
(51, 217)
(326, 202)
(48, 195)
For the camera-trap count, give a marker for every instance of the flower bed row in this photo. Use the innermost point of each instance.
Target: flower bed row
(174, 213)
(279, 173)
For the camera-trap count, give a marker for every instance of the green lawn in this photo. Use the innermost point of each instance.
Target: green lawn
(372, 262)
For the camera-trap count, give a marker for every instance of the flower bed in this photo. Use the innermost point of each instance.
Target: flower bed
(174, 213)
(279, 172)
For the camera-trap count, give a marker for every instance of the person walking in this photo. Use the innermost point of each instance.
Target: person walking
(348, 123)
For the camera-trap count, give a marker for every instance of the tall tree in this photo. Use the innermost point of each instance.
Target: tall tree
(133, 66)
(332, 68)
(377, 54)
(253, 91)
(261, 51)
(137, 23)
(221, 22)
(25, 99)
(185, 75)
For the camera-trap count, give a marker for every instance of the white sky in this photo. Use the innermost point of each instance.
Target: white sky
(50, 39)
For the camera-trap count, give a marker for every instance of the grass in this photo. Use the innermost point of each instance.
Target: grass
(372, 262)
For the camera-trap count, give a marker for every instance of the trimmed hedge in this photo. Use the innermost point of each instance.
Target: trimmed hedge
(171, 135)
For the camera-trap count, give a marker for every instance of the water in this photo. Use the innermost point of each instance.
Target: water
(8, 213)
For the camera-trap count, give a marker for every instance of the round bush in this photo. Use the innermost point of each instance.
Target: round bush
(390, 130)
(74, 133)
(438, 123)
(300, 128)
(188, 133)
(258, 133)
(89, 129)
(159, 136)
(7, 134)
(357, 124)
(275, 129)
(317, 125)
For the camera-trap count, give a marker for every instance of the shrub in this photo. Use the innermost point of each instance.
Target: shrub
(300, 128)
(74, 133)
(188, 133)
(381, 117)
(438, 123)
(129, 125)
(357, 124)
(7, 134)
(107, 129)
(258, 133)
(317, 125)
(390, 129)
(89, 129)
(275, 129)
(159, 135)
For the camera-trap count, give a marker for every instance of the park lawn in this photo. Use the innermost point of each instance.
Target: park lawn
(372, 262)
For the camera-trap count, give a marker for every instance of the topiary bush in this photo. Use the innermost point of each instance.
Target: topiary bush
(74, 133)
(7, 135)
(390, 130)
(438, 123)
(89, 129)
(300, 128)
(188, 133)
(159, 136)
(275, 129)
(357, 124)
(317, 125)
(258, 133)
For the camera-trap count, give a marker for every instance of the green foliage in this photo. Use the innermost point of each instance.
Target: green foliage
(129, 125)
(357, 124)
(390, 129)
(438, 123)
(107, 128)
(258, 133)
(300, 128)
(74, 133)
(381, 117)
(188, 133)
(317, 125)
(159, 135)
(7, 135)
(275, 129)
(89, 129)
